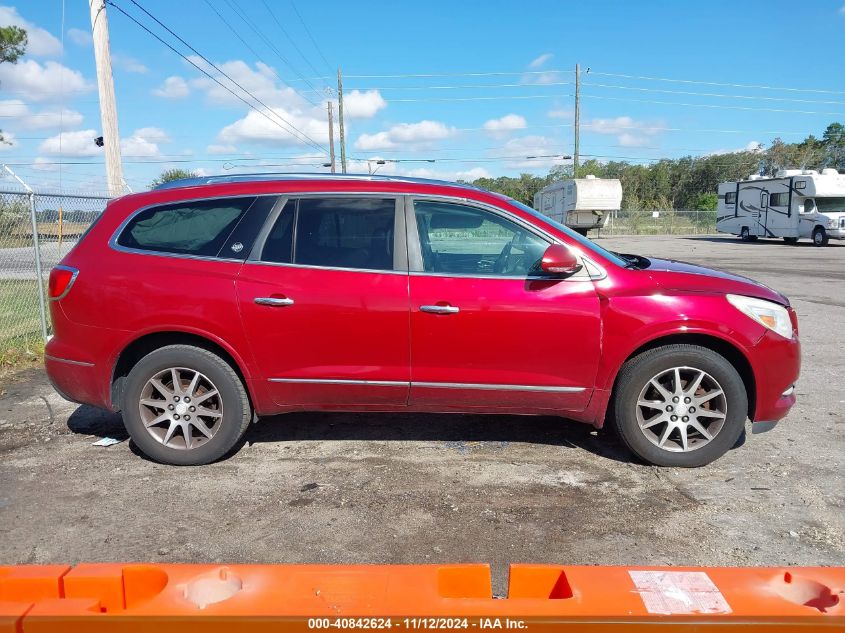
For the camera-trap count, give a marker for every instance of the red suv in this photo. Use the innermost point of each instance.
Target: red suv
(196, 308)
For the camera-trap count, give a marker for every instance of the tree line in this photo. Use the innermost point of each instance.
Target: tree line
(688, 182)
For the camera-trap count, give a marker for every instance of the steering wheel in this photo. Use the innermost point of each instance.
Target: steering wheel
(502, 259)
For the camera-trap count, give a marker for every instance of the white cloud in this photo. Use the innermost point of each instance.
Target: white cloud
(362, 105)
(499, 128)
(47, 82)
(39, 42)
(519, 149)
(174, 87)
(544, 78)
(152, 134)
(422, 132)
(842, 10)
(129, 64)
(560, 113)
(261, 82)
(751, 146)
(80, 37)
(17, 114)
(473, 174)
(76, 144)
(629, 132)
(540, 61)
(221, 149)
(143, 142)
(255, 127)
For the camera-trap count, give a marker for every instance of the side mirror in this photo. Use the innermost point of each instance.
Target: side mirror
(559, 260)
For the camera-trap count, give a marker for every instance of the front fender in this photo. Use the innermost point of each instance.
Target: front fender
(632, 322)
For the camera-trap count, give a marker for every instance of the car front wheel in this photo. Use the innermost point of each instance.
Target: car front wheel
(184, 405)
(679, 405)
(820, 237)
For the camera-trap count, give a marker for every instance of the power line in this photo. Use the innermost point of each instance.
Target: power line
(715, 94)
(247, 44)
(311, 37)
(459, 86)
(715, 83)
(290, 127)
(711, 105)
(598, 85)
(242, 15)
(290, 39)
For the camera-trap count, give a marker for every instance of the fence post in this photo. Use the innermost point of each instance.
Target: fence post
(36, 245)
(42, 309)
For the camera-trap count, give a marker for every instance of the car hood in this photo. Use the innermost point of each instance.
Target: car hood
(675, 275)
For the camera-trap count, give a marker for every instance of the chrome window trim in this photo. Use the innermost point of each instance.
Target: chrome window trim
(73, 277)
(312, 267)
(140, 251)
(415, 250)
(434, 385)
(399, 239)
(410, 244)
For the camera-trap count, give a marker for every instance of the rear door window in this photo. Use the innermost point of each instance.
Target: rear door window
(199, 228)
(356, 233)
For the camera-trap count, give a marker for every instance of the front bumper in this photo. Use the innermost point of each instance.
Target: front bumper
(836, 234)
(776, 363)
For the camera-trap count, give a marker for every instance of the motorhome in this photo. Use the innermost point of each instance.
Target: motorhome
(795, 204)
(580, 203)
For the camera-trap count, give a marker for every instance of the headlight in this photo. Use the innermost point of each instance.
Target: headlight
(832, 223)
(772, 315)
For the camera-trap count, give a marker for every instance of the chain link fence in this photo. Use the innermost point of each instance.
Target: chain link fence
(666, 222)
(36, 231)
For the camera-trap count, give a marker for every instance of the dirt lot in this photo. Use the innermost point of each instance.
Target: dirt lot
(416, 489)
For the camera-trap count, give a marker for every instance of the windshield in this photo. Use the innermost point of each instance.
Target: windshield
(830, 205)
(583, 241)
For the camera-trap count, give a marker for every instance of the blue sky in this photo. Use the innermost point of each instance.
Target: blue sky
(498, 89)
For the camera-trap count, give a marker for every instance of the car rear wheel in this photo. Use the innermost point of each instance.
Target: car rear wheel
(184, 405)
(745, 235)
(820, 236)
(679, 405)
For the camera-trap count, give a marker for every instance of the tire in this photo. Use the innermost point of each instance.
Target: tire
(634, 382)
(791, 240)
(820, 237)
(745, 235)
(210, 402)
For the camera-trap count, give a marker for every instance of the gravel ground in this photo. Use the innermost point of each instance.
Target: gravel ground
(390, 488)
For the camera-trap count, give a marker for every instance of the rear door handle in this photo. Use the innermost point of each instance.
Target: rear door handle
(440, 309)
(275, 302)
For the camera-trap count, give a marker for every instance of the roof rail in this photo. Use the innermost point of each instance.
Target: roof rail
(263, 176)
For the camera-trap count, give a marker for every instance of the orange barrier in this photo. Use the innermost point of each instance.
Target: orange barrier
(140, 597)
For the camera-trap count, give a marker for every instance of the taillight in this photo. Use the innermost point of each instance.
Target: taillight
(61, 280)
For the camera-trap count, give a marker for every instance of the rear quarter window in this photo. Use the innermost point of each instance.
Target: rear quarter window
(198, 228)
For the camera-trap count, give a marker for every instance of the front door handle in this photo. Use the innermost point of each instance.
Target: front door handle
(275, 302)
(440, 309)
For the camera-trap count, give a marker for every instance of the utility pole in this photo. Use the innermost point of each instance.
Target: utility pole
(577, 120)
(340, 121)
(105, 85)
(331, 133)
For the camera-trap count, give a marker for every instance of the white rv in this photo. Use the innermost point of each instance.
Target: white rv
(794, 204)
(580, 203)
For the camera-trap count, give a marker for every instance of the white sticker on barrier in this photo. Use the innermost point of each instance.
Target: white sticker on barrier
(679, 592)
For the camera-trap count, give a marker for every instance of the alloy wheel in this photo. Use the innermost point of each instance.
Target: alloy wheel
(681, 409)
(181, 408)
